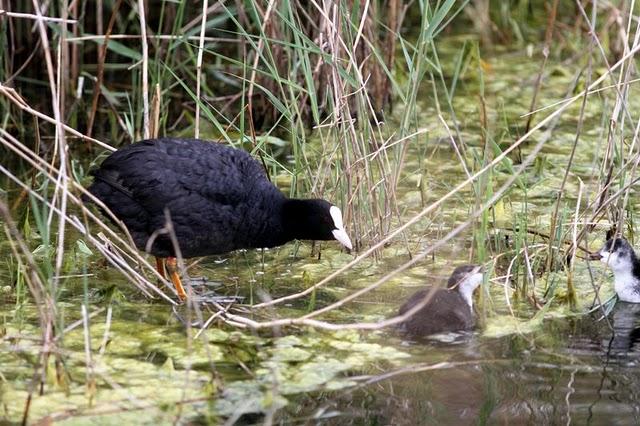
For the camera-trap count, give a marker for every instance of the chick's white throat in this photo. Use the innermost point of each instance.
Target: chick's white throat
(468, 286)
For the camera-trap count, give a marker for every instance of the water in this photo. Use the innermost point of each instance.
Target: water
(524, 365)
(572, 371)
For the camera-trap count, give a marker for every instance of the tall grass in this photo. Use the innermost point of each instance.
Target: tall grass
(338, 89)
(318, 80)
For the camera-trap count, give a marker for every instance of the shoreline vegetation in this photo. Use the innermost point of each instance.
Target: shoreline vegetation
(350, 101)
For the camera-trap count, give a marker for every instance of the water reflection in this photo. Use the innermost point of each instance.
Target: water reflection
(573, 371)
(624, 342)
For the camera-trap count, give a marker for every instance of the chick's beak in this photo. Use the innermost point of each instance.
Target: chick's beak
(595, 256)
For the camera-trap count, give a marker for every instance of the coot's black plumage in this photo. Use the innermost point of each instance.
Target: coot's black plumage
(218, 198)
(449, 309)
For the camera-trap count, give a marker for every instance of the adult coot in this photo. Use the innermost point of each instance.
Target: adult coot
(622, 259)
(447, 309)
(218, 199)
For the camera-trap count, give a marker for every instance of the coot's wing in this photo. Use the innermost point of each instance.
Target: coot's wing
(222, 200)
(413, 300)
(427, 320)
(444, 312)
(158, 172)
(462, 317)
(203, 185)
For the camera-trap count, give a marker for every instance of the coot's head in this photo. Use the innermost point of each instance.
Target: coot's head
(618, 254)
(466, 279)
(315, 220)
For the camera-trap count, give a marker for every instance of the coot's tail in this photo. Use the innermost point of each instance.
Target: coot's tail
(106, 180)
(91, 189)
(106, 188)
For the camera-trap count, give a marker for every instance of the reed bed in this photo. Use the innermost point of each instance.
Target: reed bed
(323, 81)
(299, 72)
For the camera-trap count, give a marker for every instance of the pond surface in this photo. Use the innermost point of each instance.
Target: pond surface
(524, 365)
(571, 371)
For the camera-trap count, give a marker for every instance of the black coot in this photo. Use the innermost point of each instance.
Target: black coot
(218, 198)
(449, 309)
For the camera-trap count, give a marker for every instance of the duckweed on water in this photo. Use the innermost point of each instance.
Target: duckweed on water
(148, 369)
(143, 368)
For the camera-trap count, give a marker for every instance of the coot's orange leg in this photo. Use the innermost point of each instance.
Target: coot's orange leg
(172, 269)
(160, 266)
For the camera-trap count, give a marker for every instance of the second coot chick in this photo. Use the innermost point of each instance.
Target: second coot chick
(449, 309)
(217, 197)
(622, 259)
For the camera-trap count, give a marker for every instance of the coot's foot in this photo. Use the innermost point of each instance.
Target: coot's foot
(172, 267)
(160, 267)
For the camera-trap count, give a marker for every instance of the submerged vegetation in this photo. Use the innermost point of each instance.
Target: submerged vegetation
(501, 133)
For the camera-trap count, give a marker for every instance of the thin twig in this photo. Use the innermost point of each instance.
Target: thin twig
(37, 17)
(199, 67)
(13, 96)
(145, 69)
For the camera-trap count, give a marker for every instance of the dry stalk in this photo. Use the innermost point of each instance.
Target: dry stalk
(509, 275)
(621, 86)
(145, 68)
(104, 247)
(155, 111)
(37, 17)
(463, 163)
(107, 328)
(13, 96)
(628, 54)
(359, 181)
(62, 182)
(198, 19)
(554, 216)
(199, 67)
(102, 55)
(417, 368)
(545, 56)
(102, 38)
(258, 53)
(598, 90)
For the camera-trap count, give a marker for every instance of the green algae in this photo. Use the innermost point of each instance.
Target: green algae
(129, 376)
(151, 371)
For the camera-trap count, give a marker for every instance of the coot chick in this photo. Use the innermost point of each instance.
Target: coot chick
(622, 259)
(218, 198)
(449, 309)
